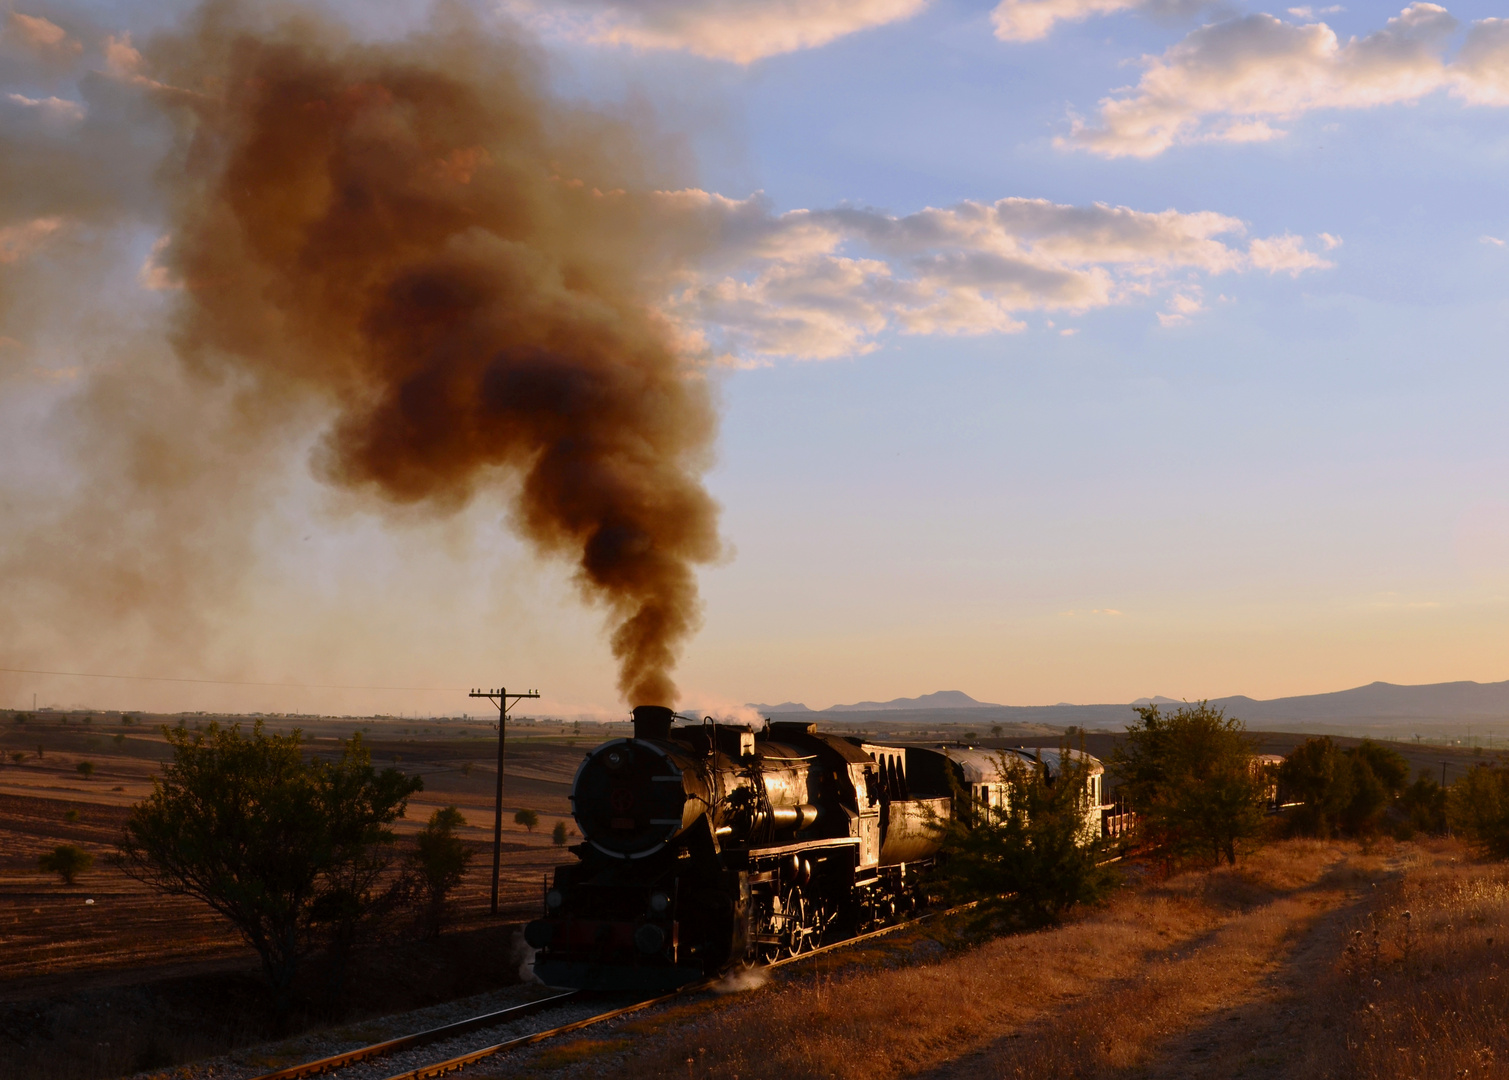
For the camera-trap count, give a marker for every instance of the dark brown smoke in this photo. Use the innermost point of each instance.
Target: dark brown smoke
(466, 270)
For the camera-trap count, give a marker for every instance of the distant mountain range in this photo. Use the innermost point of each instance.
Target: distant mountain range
(943, 699)
(1377, 703)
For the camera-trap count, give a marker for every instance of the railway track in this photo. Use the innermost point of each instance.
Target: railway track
(367, 1054)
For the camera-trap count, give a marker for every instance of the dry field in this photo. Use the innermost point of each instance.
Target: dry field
(180, 982)
(1246, 973)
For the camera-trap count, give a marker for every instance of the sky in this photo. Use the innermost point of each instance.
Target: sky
(1064, 351)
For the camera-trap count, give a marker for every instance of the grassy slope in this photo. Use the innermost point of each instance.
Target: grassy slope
(1228, 974)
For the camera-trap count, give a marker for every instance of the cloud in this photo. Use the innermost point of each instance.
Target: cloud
(821, 284)
(19, 241)
(1494, 240)
(1181, 305)
(741, 31)
(1235, 81)
(1033, 20)
(53, 108)
(41, 36)
(1286, 253)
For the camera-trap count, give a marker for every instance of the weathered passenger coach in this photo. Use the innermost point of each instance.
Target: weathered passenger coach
(707, 845)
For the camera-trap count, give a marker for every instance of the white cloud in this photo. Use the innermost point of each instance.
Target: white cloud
(819, 284)
(1285, 253)
(1033, 20)
(1181, 305)
(741, 31)
(41, 35)
(1236, 80)
(53, 108)
(19, 241)
(1494, 240)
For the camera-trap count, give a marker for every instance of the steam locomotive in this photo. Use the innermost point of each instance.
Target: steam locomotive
(709, 845)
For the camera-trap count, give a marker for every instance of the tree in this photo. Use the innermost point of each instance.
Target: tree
(67, 861)
(1424, 802)
(1342, 791)
(560, 834)
(1477, 806)
(1192, 780)
(86, 769)
(17, 756)
(1032, 859)
(1379, 775)
(527, 818)
(1317, 776)
(275, 844)
(438, 863)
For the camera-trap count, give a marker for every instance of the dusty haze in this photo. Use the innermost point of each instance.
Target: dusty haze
(414, 239)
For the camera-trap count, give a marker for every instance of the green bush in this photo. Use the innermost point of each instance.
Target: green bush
(1192, 780)
(438, 863)
(560, 834)
(1424, 803)
(278, 845)
(1032, 859)
(1477, 807)
(1341, 791)
(86, 769)
(527, 818)
(67, 861)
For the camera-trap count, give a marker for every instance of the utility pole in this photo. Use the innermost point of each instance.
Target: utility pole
(505, 702)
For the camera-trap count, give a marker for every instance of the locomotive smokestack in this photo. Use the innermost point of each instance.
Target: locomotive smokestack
(652, 722)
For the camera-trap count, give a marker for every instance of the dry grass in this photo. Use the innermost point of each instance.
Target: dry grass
(1299, 964)
(1102, 995)
(1418, 985)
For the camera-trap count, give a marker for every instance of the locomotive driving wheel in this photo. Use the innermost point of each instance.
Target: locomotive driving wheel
(791, 927)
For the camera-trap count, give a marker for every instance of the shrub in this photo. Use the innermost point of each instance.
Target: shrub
(67, 861)
(560, 834)
(1341, 791)
(438, 863)
(1424, 802)
(1031, 859)
(86, 769)
(17, 756)
(1477, 806)
(70, 816)
(527, 818)
(275, 844)
(1192, 779)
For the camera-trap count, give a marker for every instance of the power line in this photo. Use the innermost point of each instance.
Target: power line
(229, 682)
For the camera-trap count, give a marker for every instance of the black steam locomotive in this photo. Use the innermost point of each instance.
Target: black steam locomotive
(709, 845)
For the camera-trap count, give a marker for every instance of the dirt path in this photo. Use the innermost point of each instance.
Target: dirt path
(1228, 1004)
(1201, 976)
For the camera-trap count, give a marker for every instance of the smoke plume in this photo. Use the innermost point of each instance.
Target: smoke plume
(466, 269)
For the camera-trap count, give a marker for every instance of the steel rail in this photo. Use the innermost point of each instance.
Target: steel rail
(440, 1068)
(404, 1042)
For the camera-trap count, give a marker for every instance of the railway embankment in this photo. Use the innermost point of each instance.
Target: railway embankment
(1299, 962)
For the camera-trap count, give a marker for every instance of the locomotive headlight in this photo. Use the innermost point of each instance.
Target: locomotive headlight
(554, 899)
(617, 759)
(659, 902)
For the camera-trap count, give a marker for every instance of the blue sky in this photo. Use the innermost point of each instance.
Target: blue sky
(1260, 470)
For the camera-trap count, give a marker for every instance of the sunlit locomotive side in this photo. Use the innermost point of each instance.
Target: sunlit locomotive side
(710, 845)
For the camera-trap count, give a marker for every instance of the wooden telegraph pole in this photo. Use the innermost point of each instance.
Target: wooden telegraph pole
(505, 702)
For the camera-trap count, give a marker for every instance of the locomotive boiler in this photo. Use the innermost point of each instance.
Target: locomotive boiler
(707, 845)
